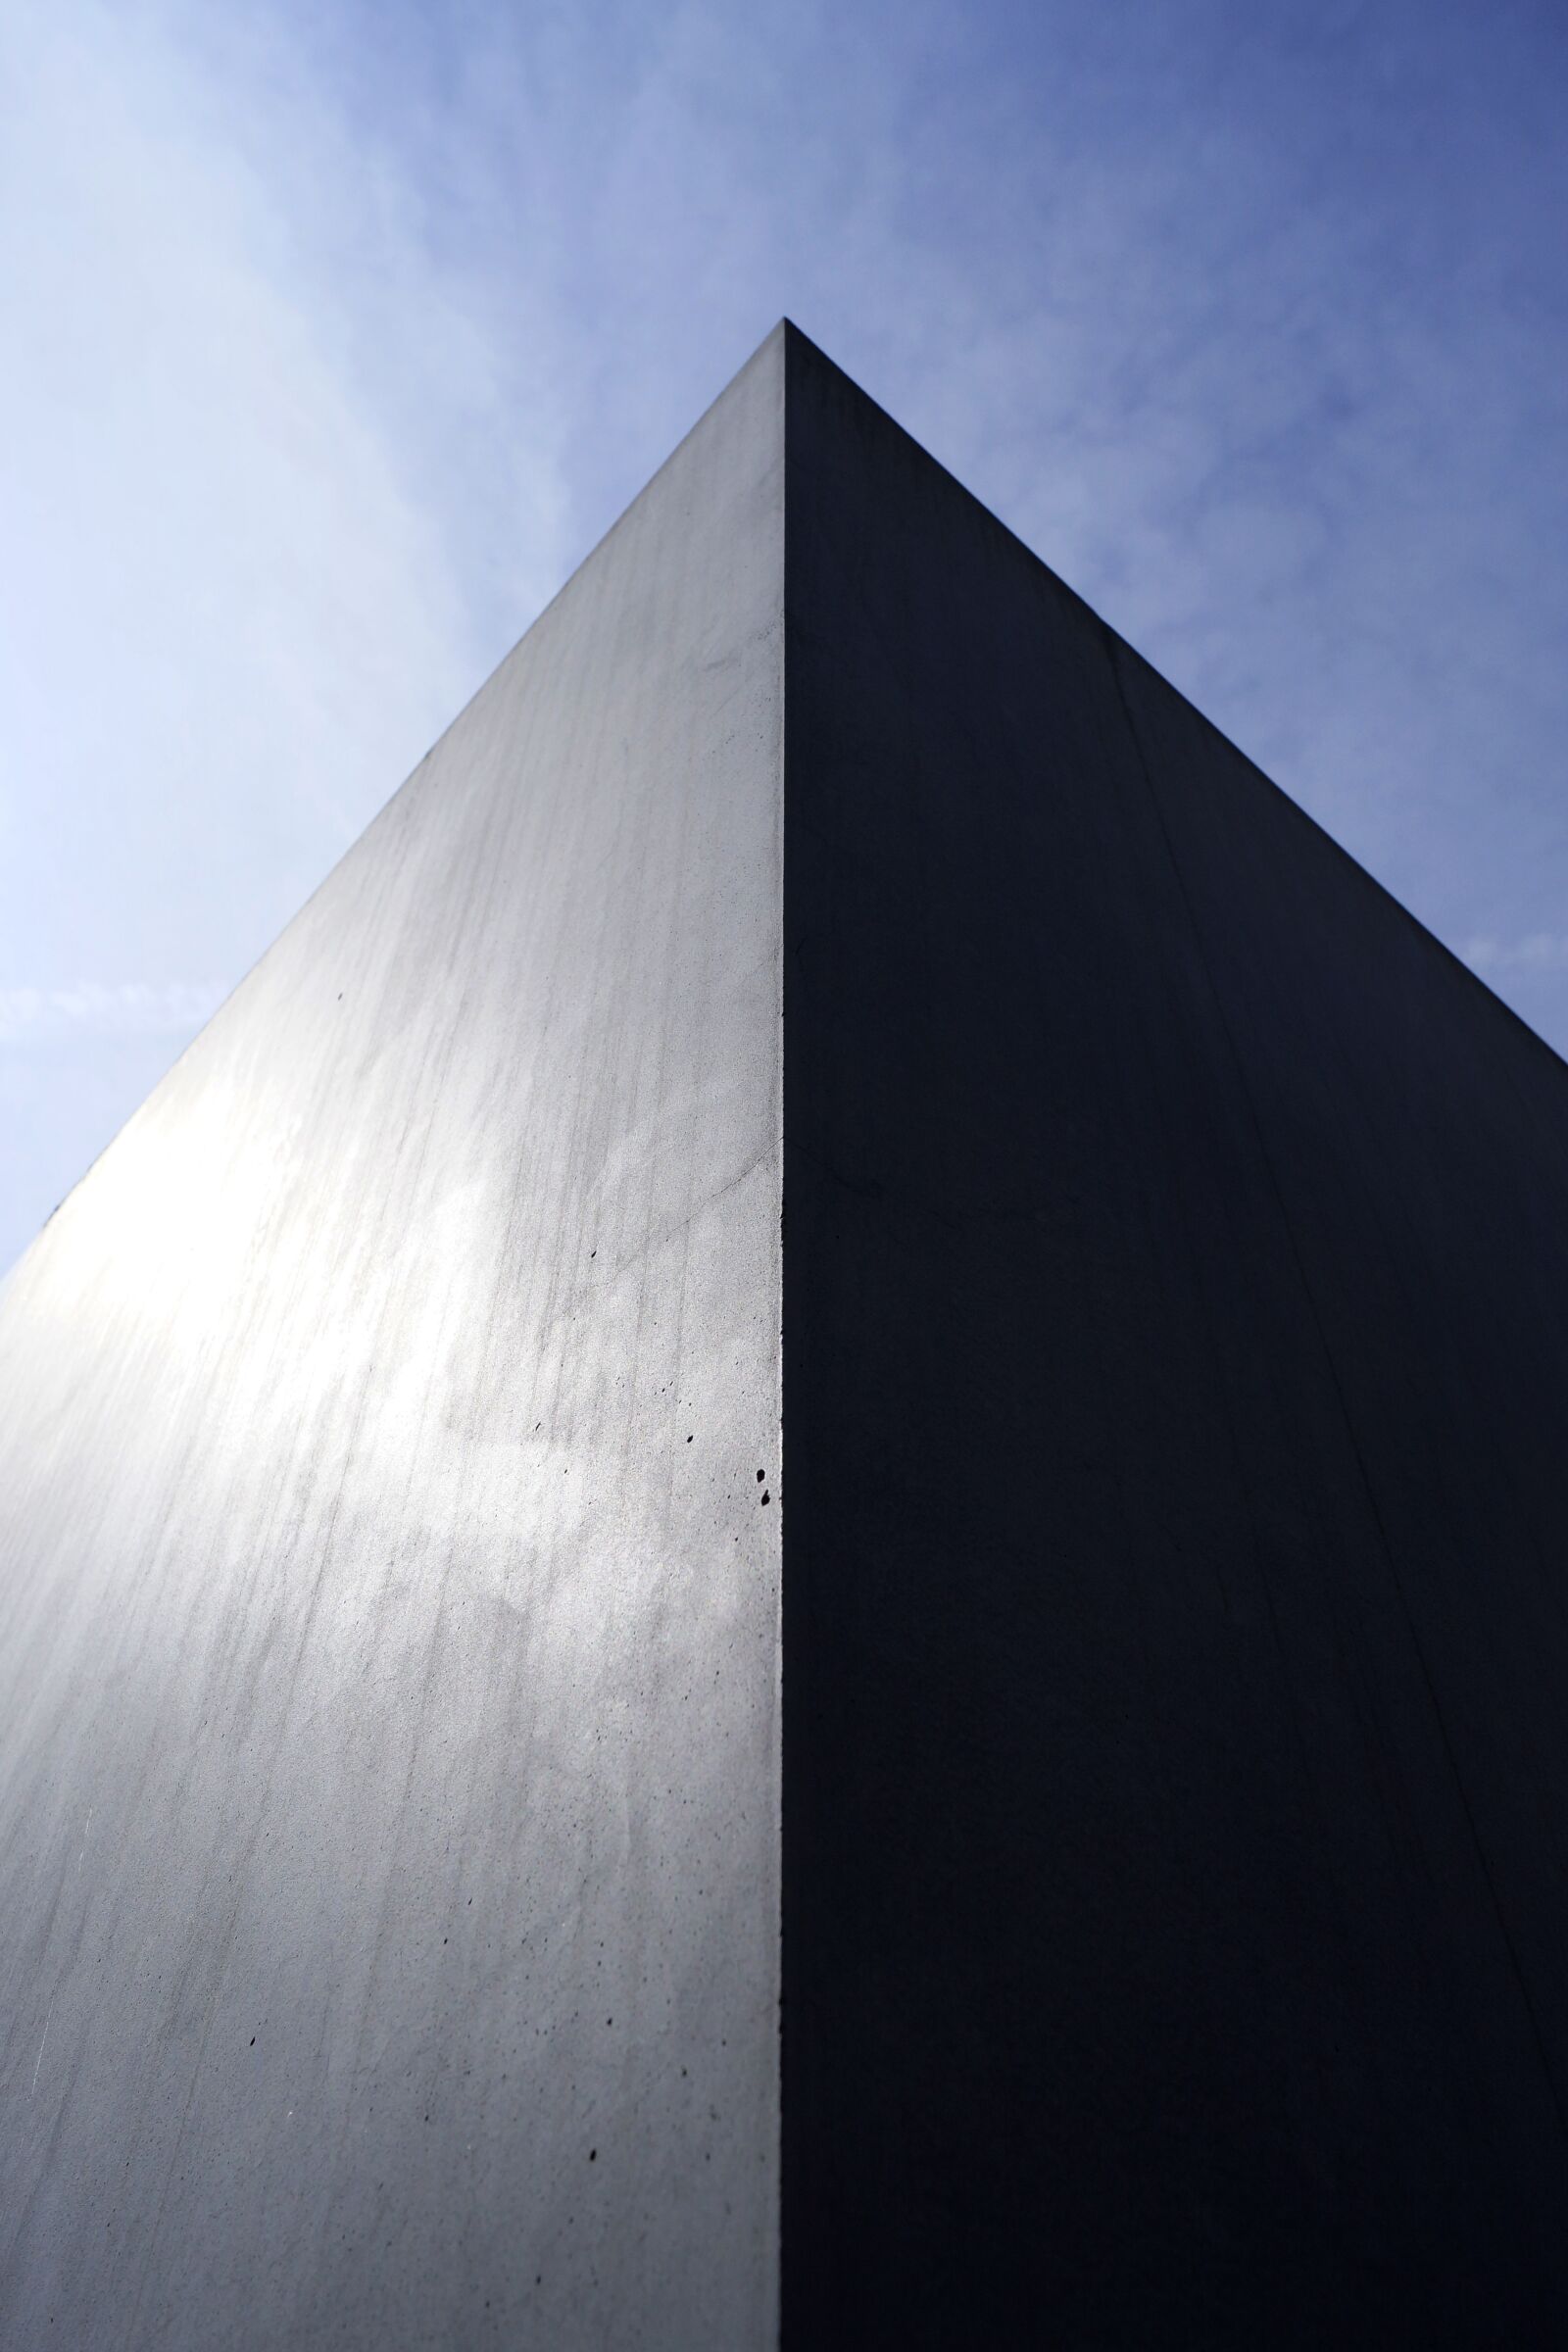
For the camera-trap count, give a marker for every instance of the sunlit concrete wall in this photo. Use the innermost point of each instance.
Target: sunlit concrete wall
(389, 1571)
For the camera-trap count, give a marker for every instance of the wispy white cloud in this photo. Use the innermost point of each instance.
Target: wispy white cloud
(127, 1008)
(258, 553)
(1537, 951)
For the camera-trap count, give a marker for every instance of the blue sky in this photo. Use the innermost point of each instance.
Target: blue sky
(335, 336)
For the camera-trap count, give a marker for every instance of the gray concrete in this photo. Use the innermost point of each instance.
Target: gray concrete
(1176, 1573)
(388, 1610)
(1168, 1828)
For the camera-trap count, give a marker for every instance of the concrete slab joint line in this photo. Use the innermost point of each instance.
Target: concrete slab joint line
(475, 1865)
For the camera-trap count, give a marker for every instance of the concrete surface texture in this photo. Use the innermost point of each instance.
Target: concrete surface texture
(388, 1614)
(1138, 1757)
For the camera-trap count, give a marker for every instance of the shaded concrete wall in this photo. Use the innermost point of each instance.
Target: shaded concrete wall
(1176, 1633)
(388, 1612)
